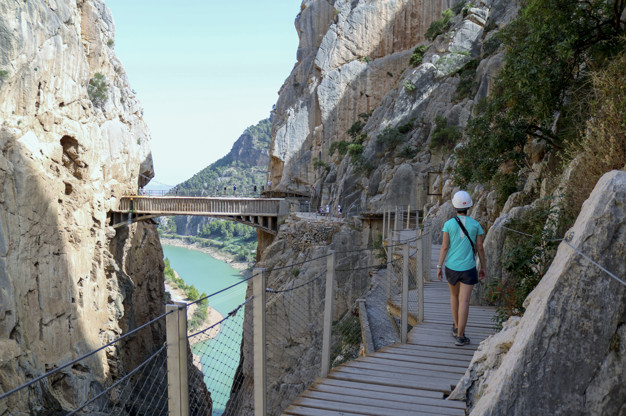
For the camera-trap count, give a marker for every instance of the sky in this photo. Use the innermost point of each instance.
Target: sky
(204, 71)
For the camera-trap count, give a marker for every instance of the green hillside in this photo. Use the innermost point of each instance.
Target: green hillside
(244, 167)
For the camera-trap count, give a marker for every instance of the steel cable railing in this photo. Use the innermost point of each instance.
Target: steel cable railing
(295, 314)
(72, 387)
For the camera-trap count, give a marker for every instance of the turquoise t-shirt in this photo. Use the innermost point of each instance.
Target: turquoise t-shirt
(460, 256)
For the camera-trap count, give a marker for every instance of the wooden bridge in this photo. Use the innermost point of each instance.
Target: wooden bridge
(404, 379)
(262, 213)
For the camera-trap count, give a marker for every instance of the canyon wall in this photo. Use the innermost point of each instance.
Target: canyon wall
(72, 142)
(358, 84)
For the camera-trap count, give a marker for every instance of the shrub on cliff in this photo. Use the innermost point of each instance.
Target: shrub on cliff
(438, 27)
(97, 90)
(550, 49)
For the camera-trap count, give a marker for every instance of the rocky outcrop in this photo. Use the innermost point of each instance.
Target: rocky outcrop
(351, 54)
(566, 355)
(72, 141)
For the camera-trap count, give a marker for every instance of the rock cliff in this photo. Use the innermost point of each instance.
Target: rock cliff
(72, 141)
(358, 123)
(573, 329)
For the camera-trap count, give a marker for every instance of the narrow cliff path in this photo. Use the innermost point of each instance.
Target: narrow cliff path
(403, 379)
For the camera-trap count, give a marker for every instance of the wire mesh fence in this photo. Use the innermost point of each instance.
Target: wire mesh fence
(107, 380)
(216, 352)
(294, 329)
(221, 370)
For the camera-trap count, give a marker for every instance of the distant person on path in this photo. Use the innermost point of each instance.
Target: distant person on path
(461, 236)
(339, 210)
(327, 210)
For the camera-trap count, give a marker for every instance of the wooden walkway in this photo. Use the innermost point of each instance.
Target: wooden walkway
(403, 379)
(260, 213)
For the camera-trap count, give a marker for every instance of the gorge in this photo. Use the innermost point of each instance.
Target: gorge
(389, 101)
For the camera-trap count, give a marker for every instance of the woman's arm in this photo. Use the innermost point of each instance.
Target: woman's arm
(445, 245)
(482, 273)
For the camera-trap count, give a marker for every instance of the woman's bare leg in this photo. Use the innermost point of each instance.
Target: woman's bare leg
(464, 295)
(454, 302)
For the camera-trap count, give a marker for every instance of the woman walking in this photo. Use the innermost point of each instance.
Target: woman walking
(462, 236)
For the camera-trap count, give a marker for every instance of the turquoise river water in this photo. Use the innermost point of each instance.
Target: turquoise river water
(210, 275)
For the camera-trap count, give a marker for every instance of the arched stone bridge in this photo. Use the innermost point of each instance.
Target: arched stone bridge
(261, 213)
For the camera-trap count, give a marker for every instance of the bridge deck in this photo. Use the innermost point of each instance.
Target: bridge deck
(403, 379)
(261, 213)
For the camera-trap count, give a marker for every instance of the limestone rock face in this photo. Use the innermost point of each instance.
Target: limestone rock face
(350, 55)
(68, 282)
(566, 355)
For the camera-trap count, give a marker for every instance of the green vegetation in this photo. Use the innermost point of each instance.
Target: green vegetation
(553, 49)
(392, 137)
(97, 90)
(110, 43)
(354, 147)
(341, 147)
(440, 26)
(491, 45)
(201, 312)
(319, 164)
(444, 136)
(244, 167)
(3, 74)
(234, 170)
(232, 238)
(467, 83)
(346, 339)
(408, 86)
(418, 55)
(461, 7)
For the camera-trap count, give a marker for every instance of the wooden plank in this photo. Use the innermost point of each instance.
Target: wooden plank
(369, 387)
(361, 409)
(452, 349)
(405, 371)
(388, 404)
(296, 410)
(391, 381)
(459, 363)
(415, 377)
(443, 354)
(392, 363)
(406, 398)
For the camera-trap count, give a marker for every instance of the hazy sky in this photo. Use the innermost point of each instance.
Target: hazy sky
(204, 70)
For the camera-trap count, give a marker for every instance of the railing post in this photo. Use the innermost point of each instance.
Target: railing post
(328, 312)
(260, 375)
(419, 277)
(426, 253)
(408, 216)
(405, 295)
(389, 264)
(176, 333)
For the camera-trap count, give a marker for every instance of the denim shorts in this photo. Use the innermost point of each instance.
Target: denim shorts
(469, 277)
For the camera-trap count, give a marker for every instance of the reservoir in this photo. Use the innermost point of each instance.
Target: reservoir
(210, 275)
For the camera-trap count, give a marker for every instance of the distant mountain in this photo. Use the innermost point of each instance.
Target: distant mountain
(244, 167)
